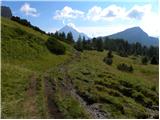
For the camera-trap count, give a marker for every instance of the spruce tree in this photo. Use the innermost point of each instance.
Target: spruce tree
(99, 44)
(144, 60)
(70, 37)
(79, 44)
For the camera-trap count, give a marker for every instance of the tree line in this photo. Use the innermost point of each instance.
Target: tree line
(63, 37)
(26, 23)
(120, 46)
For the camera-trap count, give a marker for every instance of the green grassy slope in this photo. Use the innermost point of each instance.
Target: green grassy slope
(118, 94)
(24, 59)
(39, 84)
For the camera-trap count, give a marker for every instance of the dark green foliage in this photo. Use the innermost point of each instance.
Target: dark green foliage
(123, 54)
(62, 36)
(99, 44)
(109, 55)
(125, 67)
(108, 58)
(26, 23)
(154, 60)
(28, 46)
(122, 47)
(79, 44)
(144, 60)
(59, 36)
(153, 88)
(56, 34)
(70, 37)
(55, 46)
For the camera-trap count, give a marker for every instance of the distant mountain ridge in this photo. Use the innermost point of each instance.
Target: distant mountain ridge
(66, 29)
(135, 34)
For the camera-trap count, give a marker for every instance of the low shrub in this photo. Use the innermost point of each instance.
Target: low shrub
(154, 60)
(55, 46)
(123, 54)
(153, 88)
(108, 60)
(144, 60)
(125, 67)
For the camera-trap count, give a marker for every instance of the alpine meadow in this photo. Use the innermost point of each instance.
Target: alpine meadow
(79, 60)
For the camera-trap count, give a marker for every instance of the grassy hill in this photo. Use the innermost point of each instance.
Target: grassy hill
(24, 57)
(39, 84)
(118, 94)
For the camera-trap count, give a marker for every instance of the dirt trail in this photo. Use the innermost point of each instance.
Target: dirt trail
(93, 109)
(54, 112)
(30, 101)
(49, 93)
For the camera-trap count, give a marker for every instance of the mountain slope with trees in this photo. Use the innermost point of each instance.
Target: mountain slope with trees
(67, 29)
(135, 34)
(43, 76)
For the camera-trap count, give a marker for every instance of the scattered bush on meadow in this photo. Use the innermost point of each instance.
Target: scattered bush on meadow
(154, 60)
(144, 60)
(125, 67)
(108, 59)
(55, 46)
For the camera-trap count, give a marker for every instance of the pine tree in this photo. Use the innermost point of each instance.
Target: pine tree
(144, 60)
(79, 44)
(63, 36)
(56, 34)
(109, 55)
(154, 60)
(99, 44)
(70, 37)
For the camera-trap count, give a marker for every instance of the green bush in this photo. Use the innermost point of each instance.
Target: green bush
(55, 46)
(108, 58)
(125, 67)
(144, 60)
(154, 60)
(108, 61)
(109, 54)
(123, 54)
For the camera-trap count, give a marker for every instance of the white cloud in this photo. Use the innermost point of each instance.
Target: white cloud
(138, 15)
(137, 12)
(150, 24)
(109, 13)
(67, 13)
(94, 13)
(28, 10)
(97, 13)
(113, 12)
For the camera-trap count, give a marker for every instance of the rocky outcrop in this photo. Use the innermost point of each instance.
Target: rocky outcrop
(6, 12)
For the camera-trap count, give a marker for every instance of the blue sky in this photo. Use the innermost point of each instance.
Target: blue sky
(92, 17)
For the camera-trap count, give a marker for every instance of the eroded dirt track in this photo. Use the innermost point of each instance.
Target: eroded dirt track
(92, 110)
